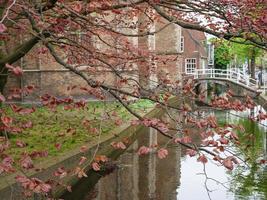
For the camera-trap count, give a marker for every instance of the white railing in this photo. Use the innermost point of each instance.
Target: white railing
(264, 87)
(233, 75)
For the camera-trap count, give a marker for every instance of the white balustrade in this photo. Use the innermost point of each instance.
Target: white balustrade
(233, 75)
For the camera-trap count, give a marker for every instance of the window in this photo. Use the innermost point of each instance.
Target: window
(182, 44)
(78, 39)
(78, 36)
(190, 65)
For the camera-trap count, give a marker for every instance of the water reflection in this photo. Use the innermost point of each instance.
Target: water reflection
(142, 177)
(250, 182)
(181, 177)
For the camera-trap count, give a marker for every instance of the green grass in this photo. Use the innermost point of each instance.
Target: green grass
(50, 127)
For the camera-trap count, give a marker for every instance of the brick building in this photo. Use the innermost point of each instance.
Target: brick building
(194, 52)
(183, 50)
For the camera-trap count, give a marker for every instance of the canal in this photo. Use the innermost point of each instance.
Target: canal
(179, 176)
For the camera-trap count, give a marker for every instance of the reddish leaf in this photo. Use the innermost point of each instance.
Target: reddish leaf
(262, 161)
(45, 188)
(2, 98)
(118, 145)
(186, 139)
(82, 160)
(143, 150)
(20, 144)
(228, 163)
(7, 160)
(21, 110)
(95, 166)
(33, 185)
(69, 188)
(135, 122)
(101, 158)
(2, 138)
(114, 114)
(121, 145)
(3, 28)
(126, 140)
(27, 125)
(118, 122)
(162, 153)
(7, 121)
(178, 140)
(68, 107)
(15, 70)
(26, 111)
(80, 172)
(202, 158)
(40, 154)
(223, 140)
(58, 146)
(191, 152)
(77, 7)
(26, 162)
(83, 149)
(60, 172)
(221, 148)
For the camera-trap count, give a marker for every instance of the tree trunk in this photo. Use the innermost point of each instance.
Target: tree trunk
(3, 77)
(3, 80)
(252, 63)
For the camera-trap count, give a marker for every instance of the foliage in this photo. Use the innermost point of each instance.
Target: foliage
(246, 179)
(94, 38)
(222, 54)
(244, 52)
(226, 51)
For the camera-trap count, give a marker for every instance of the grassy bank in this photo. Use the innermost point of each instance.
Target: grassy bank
(62, 130)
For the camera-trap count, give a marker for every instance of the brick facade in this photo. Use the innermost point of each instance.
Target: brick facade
(49, 77)
(194, 47)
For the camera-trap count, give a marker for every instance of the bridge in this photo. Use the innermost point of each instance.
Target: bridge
(228, 75)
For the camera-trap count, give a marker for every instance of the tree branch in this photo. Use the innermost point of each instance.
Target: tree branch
(22, 49)
(195, 26)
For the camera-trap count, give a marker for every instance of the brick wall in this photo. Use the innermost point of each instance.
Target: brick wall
(194, 47)
(49, 77)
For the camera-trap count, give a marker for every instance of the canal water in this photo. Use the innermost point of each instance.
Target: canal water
(181, 177)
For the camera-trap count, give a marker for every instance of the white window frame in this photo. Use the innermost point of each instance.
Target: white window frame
(79, 34)
(182, 44)
(77, 37)
(190, 65)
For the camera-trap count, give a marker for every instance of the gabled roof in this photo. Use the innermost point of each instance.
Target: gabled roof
(199, 38)
(198, 35)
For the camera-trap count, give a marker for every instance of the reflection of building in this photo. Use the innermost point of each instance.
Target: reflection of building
(143, 177)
